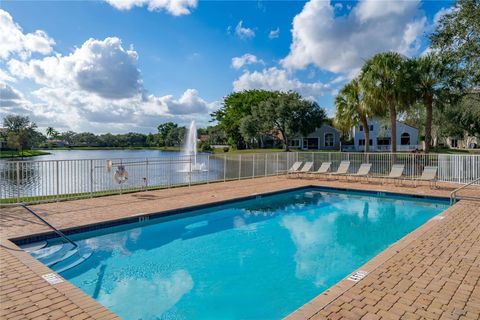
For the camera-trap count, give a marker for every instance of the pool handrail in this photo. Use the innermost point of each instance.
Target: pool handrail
(453, 194)
(60, 233)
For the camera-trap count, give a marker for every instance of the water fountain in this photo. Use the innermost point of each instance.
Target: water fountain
(190, 149)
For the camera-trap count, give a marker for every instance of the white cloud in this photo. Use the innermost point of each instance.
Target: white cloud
(9, 96)
(189, 103)
(173, 7)
(242, 32)
(14, 41)
(99, 88)
(247, 58)
(102, 67)
(5, 77)
(342, 43)
(273, 34)
(278, 79)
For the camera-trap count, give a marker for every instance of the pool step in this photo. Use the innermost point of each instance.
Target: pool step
(48, 251)
(70, 263)
(34, 246)
(61, 257)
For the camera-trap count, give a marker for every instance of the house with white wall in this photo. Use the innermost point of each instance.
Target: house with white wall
(380, 136)
(324, 138)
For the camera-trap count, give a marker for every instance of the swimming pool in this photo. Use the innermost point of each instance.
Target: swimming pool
(260, 258)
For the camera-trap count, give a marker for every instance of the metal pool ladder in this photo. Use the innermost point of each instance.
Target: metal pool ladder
(453, 194)
(60, 233)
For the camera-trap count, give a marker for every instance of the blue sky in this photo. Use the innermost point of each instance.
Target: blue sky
(129, 65)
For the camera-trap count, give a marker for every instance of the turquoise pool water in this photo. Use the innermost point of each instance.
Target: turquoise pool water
(252, 259)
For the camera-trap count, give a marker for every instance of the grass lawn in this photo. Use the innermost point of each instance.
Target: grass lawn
(456, 151)
(23, 154)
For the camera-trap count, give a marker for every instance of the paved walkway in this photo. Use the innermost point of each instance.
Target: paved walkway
(430, 274)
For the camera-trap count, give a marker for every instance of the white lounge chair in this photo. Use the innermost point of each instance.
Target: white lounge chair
(295, 167)
(396, 173)
(363, 172)
(306, 168)
(342, 169)
(324, 168)
(429, 174)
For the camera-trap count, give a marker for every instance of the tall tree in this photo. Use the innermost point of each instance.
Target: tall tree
(457, 40)
(21, 132)
(165, 131)
(16, 123)
(425, 78)
(383, 80)
(288, 113)
(235, 107)
(351, 108)
(51, 132)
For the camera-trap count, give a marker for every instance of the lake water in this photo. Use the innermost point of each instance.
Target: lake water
(103, 154)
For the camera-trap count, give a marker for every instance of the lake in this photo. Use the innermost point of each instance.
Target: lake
(103, 154)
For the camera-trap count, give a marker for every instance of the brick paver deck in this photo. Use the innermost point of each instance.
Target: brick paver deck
(432, 273)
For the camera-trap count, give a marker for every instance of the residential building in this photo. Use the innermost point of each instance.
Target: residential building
(324, 138)
(380, 136)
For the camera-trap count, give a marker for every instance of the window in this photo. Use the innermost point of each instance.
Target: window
(361, 142)
(310, 143)
(383, 141)
(405, 139)
(371, 127)
(454, 143)
(361, 128)
(295, 143)
(328, 140)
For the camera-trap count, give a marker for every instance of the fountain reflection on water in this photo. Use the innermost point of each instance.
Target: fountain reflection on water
(190, 149)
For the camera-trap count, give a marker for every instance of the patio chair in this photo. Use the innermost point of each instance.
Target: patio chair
(342, 169)
(324, 168)
(363, 172)
(306, 168)
(295, 168)
(396, 174)
(429, 174)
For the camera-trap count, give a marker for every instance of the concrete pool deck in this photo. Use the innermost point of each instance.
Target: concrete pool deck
(432, 273)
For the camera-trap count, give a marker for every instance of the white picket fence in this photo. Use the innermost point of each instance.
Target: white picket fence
(53, 180)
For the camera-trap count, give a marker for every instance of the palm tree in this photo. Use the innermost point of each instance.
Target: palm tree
(351, 108)
(425, 73)
(383, 80)
(51, 132)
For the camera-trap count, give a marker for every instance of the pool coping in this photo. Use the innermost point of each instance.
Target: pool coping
(310, 308)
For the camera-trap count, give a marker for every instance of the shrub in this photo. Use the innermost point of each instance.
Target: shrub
(206, 147)
(226, 149)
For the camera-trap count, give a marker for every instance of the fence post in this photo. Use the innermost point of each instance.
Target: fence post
(91, 178)
(224, 168)
(58, 179)
(208, 169)
(190, 171)
(146, 173)
(277, 163)
(18, 182)
(253, 166)
(239, 166)
(266, 163)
